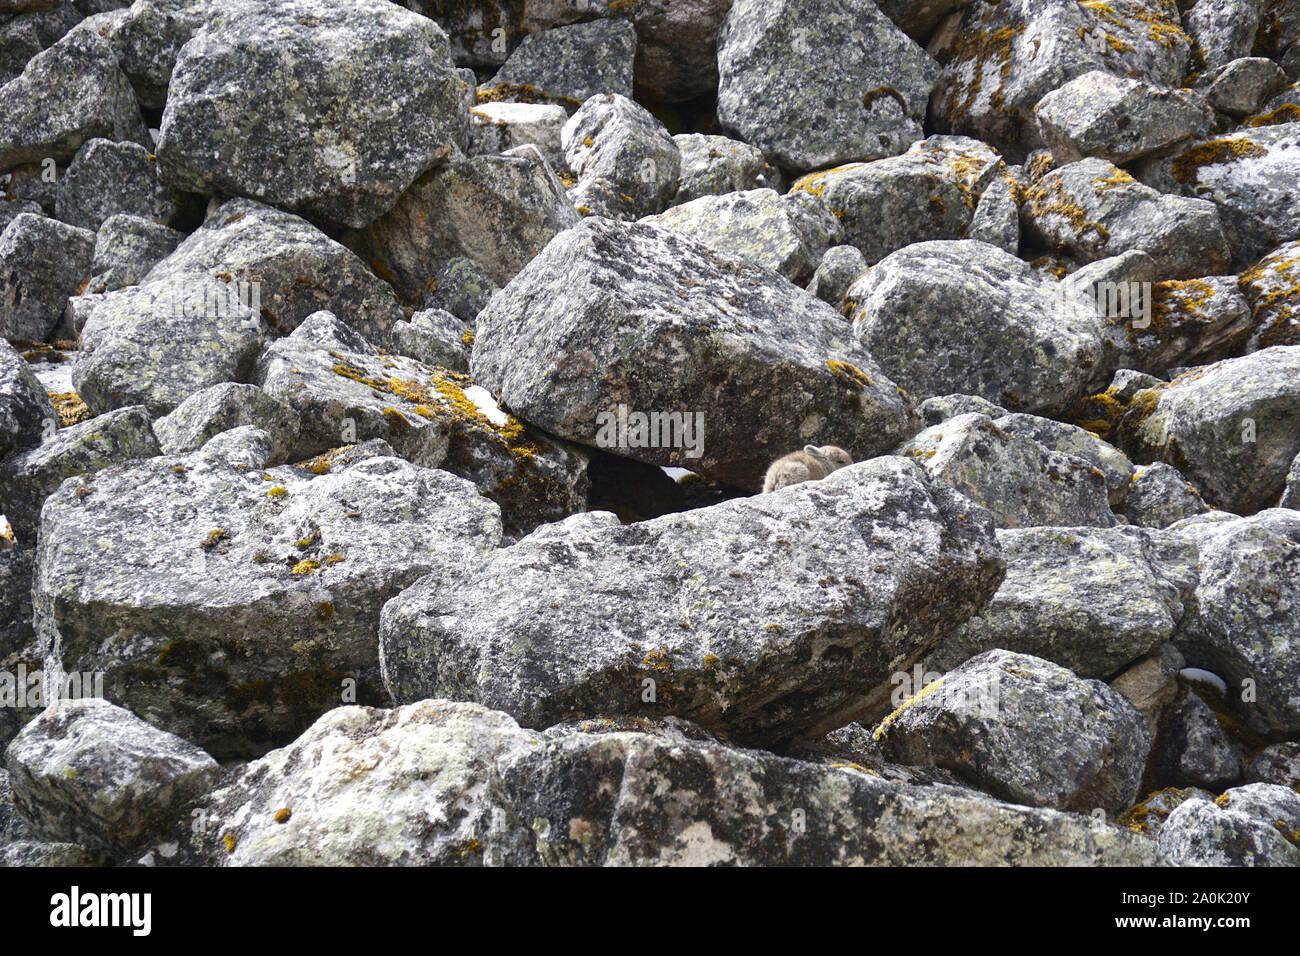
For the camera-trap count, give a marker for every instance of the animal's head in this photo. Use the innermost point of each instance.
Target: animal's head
(832, 456)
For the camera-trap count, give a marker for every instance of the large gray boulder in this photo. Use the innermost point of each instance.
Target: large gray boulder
(612, 319)
(66, 95)
(1025, 730)
(690, 615)
(1244, 624)
(717, 165)
(969, 317)
(1202, 833)
(1022, 482)
(1115, 118)
(42, 261)
(787, 234)
(324, 107)
(448, 783)
(28, 478)
(344, 391)
(1091, 600)
(1230, 428)
(107, 178)
(1002, 58)
(233, 605)
(157, 344)
(1250, 174)
(929, 192)
(814, 83)
(571, 64)
(90, 773)
(1095, 210)
(288, 267)
(498, 211)
(626, 161)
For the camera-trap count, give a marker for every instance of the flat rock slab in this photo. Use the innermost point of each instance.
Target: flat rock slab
(767, 618)
(612, 315)
(229, 605)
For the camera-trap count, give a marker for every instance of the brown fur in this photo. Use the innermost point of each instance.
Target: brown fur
(810, 464)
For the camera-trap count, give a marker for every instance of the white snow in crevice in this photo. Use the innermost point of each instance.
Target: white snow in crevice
(483, 400)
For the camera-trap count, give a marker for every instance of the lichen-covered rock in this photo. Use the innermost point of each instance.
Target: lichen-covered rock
(717, 165)
(17, 562)
(435, 337)
(1005, 57)
(1271, 803)
(1250, 175)
(287, 267)
(107, 178)
(613, 318)
(1115, 118)
(1095, 210)
(1148, 815)
(929, 192)
(1190, 322)
(814, 83)
(649, 798)
(1192, 748)
(1222, 30)
(323, 107)
(147, 39)
(940, 408)
(208, 413)
(1244, 85)
(1283, 108)
(1020, 481)
(996, 219)
(365, 787)
(571, 64)
(1091, 600)
(42, 261)
(344, 391)
(1272, 287)
(27, 853)
(234, 605)
(840, 267)
(1073, 440)
(626, 162)
(966, 316)
(66, 95)
(1158, 495)
(157, 344)
(1245, 622)
(90, 773)
(126, 248)
(28, 478)
(1277, 763)
(689, 615)
(1201, 833)
(783, 233)
(497, 127)
(26, 415)
(498, 211)
(1025, 730)
(1230, 428)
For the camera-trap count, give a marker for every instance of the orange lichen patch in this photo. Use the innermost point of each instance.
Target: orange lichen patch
(1286, 113)
(1117, 180)
(521, 93)
(850, 374)
(321, 464)
(306, 567)
(283, 815)
(1273, 288)
(1213, 153)
(70, 408)
(815, 182)
(1049, 198)
(880, 92)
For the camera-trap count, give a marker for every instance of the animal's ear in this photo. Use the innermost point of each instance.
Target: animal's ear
(812, 450)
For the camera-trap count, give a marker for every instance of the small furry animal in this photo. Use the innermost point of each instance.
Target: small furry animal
(808, 465)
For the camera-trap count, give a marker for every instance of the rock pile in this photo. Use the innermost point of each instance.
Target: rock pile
(386, 394)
